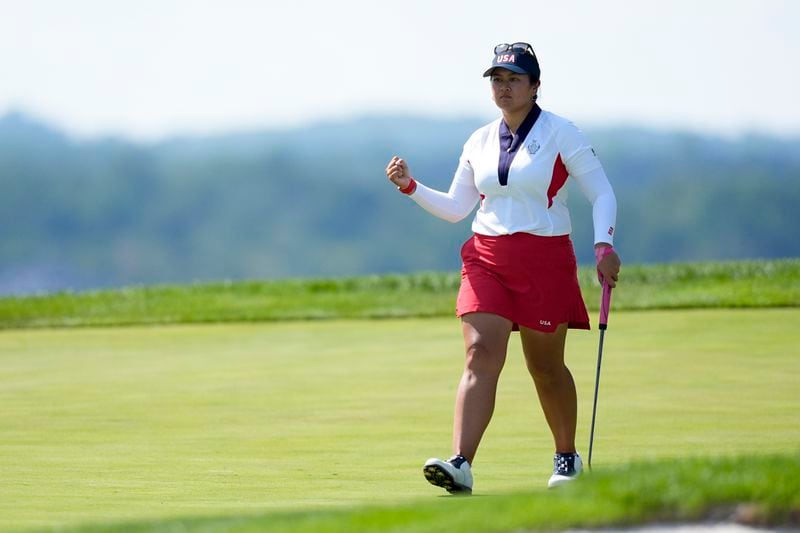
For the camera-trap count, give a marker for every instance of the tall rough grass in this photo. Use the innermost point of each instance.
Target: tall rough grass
(767, 283)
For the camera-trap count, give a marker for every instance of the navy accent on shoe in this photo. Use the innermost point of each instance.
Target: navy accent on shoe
(457, 460)
(564, 464)
(566, 467)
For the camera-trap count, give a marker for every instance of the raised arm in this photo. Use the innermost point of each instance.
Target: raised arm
(453, 206)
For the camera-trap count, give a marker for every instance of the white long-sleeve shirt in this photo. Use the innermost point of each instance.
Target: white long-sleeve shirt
(534, 200)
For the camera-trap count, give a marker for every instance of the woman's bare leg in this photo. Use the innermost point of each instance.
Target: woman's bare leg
(544, 356)
(486, 343)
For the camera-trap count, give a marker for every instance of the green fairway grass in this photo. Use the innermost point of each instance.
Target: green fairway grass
(108, 425)
(731, 284)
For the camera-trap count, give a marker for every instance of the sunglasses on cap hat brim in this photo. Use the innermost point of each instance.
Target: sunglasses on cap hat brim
(516, 47)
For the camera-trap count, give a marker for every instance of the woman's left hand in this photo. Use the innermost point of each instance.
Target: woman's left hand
(608, 265)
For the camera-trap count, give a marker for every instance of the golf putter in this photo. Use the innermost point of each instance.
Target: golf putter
(605, 307)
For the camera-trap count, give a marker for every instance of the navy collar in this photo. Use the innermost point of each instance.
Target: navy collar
(510, 143)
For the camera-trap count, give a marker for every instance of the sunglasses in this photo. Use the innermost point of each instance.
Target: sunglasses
(515, 47)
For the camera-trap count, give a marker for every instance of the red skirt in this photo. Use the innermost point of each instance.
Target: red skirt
(528, 279)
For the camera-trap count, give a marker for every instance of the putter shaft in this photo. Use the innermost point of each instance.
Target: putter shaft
(596, 388)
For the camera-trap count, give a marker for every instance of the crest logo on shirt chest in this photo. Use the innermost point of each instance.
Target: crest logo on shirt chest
(533, 147)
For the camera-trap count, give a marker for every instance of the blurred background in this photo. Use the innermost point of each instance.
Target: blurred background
(175, 141)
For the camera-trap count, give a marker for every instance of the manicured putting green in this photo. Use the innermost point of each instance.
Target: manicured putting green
(104, 425)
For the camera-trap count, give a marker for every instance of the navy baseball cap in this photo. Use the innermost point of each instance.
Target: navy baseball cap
(517, 57)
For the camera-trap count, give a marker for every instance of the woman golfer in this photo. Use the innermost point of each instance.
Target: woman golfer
(519, 270)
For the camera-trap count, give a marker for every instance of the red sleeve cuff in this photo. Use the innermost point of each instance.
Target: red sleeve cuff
(412, 186)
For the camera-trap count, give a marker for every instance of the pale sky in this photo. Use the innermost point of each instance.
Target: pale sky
(147, 69)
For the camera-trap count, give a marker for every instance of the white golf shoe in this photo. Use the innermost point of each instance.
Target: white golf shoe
(453, 475)
(566, 467)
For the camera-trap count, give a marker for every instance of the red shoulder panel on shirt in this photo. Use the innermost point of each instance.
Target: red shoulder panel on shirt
(558, 180)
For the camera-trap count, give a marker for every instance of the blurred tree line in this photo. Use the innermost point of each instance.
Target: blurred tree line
(313, 201)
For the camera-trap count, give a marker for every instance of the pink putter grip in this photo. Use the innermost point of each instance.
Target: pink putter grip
(605, 306)
(605, 303)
